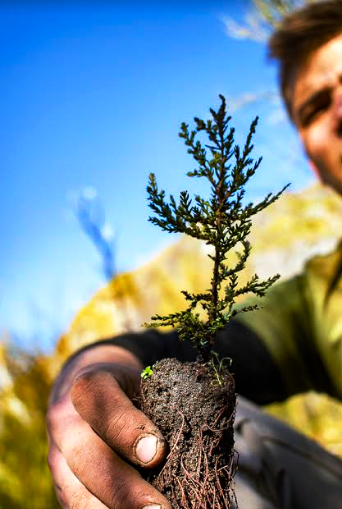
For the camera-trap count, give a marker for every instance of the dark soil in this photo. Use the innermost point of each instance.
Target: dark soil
(195, 414)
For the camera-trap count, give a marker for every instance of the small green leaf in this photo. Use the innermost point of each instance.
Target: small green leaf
(147, 372)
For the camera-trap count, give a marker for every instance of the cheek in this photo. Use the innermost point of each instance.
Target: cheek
(316, 145)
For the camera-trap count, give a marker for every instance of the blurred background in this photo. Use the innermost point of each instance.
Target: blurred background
(92, 96)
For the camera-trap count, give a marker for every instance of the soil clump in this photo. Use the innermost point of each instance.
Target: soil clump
(195, 411)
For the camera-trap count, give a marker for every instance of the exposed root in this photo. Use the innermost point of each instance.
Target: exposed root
(210, 485)
(169, 456)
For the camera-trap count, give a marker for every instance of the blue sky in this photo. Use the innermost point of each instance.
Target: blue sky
(92, 96)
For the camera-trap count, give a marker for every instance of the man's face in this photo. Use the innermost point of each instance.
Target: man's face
(317, 111)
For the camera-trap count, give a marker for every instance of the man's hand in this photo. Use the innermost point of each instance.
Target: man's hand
(97, 435)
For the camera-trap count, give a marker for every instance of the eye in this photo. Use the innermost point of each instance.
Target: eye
(314, 109)
(314, 112)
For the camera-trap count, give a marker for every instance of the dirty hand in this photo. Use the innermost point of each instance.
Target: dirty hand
(97, 435)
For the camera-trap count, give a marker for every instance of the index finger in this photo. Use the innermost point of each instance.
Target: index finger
(99, 399)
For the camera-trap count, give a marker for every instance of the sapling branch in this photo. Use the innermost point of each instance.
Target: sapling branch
(222, 221)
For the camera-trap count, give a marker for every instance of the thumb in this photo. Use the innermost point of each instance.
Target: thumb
(100, 401)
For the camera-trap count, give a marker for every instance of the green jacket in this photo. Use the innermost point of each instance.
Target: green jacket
(301, 326)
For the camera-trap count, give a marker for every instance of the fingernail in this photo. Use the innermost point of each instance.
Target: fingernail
(145, 450)
(153, 506)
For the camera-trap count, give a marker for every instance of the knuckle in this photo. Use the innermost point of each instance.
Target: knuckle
(58, 418)
(52, 417)
(119, 496)
(82, 386)
(88, 383)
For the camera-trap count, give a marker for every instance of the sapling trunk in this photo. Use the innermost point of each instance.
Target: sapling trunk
(194, 404)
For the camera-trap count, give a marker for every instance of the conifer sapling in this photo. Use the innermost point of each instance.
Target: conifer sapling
(222, 221)
(193, 403)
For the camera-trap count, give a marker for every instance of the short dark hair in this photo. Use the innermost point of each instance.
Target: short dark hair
(299, 35)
